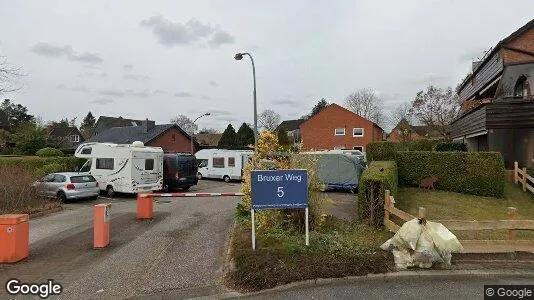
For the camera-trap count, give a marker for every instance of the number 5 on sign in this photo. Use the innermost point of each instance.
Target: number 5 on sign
(280, 192)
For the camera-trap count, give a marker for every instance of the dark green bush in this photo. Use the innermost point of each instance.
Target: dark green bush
(451, 147)
(418, 145)
(49, 152)
(381, 151)
(476, 173)
(375, 180)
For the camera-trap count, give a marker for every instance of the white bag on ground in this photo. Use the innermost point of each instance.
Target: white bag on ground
(407, 235)
(443, 238)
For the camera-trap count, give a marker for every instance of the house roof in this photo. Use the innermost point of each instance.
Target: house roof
(60, 131)
(497, 47)
(334, 105)
(290, 125)
(208, 139)
(104, 122)
(130, 134)
(421, 130)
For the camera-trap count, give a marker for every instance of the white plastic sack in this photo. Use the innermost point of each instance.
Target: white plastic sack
(443, 238)
(403, 258)
(425, 252)
(408, 235)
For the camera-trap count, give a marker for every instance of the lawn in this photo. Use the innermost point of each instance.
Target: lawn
(442, 205)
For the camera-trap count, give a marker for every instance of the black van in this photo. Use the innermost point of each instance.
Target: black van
(179, 171)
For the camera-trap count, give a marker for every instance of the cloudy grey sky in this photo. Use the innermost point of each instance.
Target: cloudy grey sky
(156, 59)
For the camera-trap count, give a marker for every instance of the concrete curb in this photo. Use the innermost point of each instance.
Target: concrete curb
(391, 275)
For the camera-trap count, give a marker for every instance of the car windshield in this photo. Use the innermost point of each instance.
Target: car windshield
(82, 179)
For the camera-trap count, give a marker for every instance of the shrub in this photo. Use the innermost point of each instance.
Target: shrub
(375, 180)
(451, 147)
(382, 151)
(418, 145)
(35, 164)
(477, 173)
(49, 152)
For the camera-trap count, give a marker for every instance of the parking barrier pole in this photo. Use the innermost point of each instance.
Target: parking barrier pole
(101, 217)
(145, 207)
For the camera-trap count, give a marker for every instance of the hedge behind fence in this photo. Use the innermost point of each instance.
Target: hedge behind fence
(39, 166)
(385, 151)
(477, 173)
(375, 180)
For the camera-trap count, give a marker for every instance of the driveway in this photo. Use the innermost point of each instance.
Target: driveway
(181, 250)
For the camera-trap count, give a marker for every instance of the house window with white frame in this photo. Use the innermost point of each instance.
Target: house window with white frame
(75, 138)
(339, 131)
(360, 148)
(357, 132)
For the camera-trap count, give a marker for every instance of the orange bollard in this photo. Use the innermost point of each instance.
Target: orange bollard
(14, 237)
(145, 207)
(101, 217)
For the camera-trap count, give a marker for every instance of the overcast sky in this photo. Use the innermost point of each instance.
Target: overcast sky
(157, 59)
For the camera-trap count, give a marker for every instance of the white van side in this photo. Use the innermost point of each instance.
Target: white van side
(123, 168)
(222, 164)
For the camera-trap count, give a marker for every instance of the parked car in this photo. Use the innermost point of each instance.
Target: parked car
(68, 186)
(179, 171)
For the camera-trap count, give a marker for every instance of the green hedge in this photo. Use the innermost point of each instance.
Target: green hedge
(42, 165)
(49, 152)
(451, 147)
(476, 173)
(381, 151)
(375, 180)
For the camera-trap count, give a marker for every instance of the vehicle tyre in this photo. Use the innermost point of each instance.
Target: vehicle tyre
(186, 188)
(166, 188)
(226, 178)
(93, 197)
(199, 175)
(61, 197)
(110, 192)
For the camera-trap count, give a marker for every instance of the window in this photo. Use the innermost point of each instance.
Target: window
(149, 164)
(359, 148)
(339, 131)
(357, 132)
(105, 163)
(218, 162)
(522, 88)
(87, 166)
(202, 163)
(59, 178)
(75, 138)
(87, 150)
(49, 178)
(231, 161)
(82, 179)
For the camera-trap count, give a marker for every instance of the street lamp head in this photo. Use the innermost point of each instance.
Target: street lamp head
(207, 114)
(238, 56)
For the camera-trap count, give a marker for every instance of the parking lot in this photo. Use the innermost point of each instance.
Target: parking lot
(180, 252)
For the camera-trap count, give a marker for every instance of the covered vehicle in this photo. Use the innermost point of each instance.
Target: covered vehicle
(68, 186)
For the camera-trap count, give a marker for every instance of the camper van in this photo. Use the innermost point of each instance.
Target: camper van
(222, 164)
(123, 168)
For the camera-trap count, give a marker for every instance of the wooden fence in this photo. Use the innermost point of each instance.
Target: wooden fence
(521, 176)
(512, 244)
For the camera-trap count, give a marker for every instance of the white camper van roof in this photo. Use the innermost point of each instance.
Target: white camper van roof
(100, 148)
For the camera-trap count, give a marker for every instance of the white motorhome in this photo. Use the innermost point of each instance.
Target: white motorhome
(222, 164)
(123, 168)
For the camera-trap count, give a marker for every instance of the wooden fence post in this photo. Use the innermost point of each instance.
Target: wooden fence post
(387, 203)
(516, 177)
(512, 215)
(524, 179)
(422, 212)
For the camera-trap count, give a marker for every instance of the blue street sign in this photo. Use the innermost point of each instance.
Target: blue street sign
(279, 189)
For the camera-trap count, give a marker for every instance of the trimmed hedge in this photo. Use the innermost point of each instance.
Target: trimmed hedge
(476, 173)
(381, 151)
(42, 165)
(375, 180)
(49, 152)
(451, 147)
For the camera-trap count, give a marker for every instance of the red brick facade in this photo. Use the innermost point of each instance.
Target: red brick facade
(318, 133)
(172, 140)
(523, 42)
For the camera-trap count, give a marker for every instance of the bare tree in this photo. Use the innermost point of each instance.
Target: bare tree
(8, 74)
(269, 119)
(401, 111)
(185, 123)
(366, 103)
(436, 108)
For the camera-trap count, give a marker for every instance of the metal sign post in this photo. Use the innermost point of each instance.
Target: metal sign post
(279, 189)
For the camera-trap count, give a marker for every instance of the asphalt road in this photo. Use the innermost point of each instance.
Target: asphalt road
(180, 251)
(427, 287)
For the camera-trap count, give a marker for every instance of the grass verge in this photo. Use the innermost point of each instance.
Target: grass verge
(339, 249)
(442, 205)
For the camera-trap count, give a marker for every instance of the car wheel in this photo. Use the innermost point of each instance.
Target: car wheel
(93, 197)
(110, 192)
(166, 188)
(199, 175)
(61, 197)
(226, 178)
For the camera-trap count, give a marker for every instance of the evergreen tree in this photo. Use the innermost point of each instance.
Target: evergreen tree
(245, 136)
(88, 124)
(317, 108)
(228, 138)
(283, 139)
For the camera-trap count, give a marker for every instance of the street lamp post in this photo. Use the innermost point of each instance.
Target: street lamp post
(239, 56)
(206, 114)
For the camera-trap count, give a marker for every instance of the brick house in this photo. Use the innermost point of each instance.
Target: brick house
(105, 122)
(66, 138)
(336, 127)
(498, 101)
(405, 132)
(292, 128)
(170, 137)
(208, 140)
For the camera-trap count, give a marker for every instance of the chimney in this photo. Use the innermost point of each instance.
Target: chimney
(147, 125)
